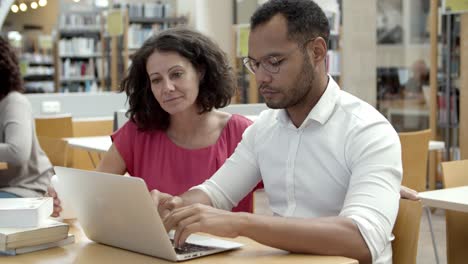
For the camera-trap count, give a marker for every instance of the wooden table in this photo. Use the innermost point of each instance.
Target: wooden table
(3, 165)
(86, 251)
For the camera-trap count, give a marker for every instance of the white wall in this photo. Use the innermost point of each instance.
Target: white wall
(80, 104)
(4, 10)
(359, 49)
(211, 17)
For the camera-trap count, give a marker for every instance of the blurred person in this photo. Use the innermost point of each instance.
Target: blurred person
(29, 169)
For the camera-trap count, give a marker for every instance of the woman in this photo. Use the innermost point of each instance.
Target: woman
(29, 169)
(175, 139)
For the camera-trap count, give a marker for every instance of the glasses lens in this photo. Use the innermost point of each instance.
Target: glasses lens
(271, 64)
(249, 64)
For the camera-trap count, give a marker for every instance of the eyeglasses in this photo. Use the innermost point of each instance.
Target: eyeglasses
(269, 63)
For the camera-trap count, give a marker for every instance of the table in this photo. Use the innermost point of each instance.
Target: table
(450, 198)
(3, 165)
(98, 145)
(95, 144)
(86, 251)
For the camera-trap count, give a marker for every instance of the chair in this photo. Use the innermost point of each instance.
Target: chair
(414, 150)
(120, 119)
(406, 232)
(55, 126)
(56, 149)
(414, 154)
(455, 175)
(50, 130)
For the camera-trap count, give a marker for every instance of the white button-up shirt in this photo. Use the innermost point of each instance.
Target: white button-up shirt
(344, 160)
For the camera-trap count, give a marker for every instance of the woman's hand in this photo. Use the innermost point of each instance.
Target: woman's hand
(57, 209)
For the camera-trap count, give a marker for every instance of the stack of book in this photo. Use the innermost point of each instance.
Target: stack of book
(25, 226)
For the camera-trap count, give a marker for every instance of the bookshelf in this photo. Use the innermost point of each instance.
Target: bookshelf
(145, 19)
(37, 70)
(140, 21)
(79, 56)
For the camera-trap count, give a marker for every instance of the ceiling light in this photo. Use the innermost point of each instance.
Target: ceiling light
(42, 2)
(23, 7)
(34, 5)
(76, 1)
(14, 8)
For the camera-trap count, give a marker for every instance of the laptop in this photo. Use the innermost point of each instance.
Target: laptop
(118, 211)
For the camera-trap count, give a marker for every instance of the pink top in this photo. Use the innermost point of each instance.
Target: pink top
(169, 168)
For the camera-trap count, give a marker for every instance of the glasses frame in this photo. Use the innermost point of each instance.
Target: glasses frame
(267, 60)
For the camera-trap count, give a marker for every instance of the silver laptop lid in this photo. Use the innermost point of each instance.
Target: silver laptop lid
(119, 211)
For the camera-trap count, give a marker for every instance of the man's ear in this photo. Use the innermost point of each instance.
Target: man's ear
(317, 49)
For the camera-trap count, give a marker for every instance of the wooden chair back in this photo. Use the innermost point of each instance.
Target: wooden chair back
(406, 232)
(455, 174)
(57, 150)
(414, 151)
(56, 126)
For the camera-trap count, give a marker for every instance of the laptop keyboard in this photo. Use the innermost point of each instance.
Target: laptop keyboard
(190, 248)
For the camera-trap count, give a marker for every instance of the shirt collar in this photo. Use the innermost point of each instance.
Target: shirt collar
(323, 110)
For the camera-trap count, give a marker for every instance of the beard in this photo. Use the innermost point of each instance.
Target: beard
(297, 93)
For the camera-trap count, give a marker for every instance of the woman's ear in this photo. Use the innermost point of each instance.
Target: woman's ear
(201, 73)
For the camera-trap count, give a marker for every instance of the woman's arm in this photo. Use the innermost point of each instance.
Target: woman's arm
(112, 162)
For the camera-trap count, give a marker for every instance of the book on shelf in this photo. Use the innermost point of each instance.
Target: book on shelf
(16, 237)
(25, 212)
(70, 239)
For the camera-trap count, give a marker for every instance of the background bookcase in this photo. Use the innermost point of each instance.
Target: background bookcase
(79, 52)
(140, 21)
(37, 64)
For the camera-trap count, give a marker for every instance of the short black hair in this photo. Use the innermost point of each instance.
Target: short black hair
(10, 79)
(217, 85)
(306, 20)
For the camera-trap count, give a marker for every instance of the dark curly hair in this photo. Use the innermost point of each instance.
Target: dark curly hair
(216, 87)
(306, 20)
(10, 76)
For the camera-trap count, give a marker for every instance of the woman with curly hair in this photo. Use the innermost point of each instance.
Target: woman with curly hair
(29, 169)
(175, 139)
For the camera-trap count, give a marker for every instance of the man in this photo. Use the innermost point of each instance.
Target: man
(330, 163)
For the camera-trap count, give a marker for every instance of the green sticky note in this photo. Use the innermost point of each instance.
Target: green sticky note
(456, 6)
(114, 23)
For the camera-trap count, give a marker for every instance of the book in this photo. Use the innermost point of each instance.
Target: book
(70, 239)
(25, 212)
(50, 231)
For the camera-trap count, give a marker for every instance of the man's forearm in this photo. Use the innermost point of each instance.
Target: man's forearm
(323, 236)
(195, 196)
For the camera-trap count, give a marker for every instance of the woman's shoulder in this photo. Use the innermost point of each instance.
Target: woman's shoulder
(240, 121)
(16, 97)
(237, 124)
(16, 100)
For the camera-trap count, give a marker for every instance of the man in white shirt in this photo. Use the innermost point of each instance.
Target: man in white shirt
(330, 163)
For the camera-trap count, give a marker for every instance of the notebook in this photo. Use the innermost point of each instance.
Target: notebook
(118, 211)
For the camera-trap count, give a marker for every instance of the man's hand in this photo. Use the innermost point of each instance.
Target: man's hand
(408, 193)
(165, 202)
(57, 209)
(203, 218)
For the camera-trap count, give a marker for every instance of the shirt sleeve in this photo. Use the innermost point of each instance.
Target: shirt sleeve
(373, 153)
(238, 175)
(18, 132)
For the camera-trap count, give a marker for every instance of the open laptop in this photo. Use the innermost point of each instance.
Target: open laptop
(118, 211)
